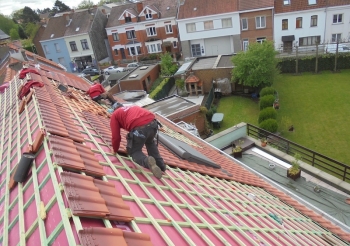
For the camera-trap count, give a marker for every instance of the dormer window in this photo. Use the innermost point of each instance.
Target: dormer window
(127, 19)
(149, 16)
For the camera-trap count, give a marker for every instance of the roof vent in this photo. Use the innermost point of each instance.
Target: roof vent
(143, 68)
(52, 35)
(194, 9)
(167, 8)
(77, 29)
(133, 75)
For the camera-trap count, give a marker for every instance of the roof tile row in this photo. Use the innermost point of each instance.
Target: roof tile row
(92, 197)
(101, 125)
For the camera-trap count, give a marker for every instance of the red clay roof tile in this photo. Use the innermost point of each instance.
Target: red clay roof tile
(91, 165)
(102, 236)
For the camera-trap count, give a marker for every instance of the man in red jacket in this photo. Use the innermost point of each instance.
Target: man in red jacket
(142, 127)
(97, 92)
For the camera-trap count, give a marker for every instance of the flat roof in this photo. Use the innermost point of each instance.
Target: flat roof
(140, 72)
(225, 61)
(205, 63)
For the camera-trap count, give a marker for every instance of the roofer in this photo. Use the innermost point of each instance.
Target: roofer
(97, 92)
(142, 127)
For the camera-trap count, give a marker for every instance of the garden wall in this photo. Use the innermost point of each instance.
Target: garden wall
(208, 75)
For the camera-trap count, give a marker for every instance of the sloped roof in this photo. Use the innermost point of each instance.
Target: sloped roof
(79, 193)
(116, 12)
(253, 4)
(196, 8)
(55, 28)
(81, 22)
(298, 5)
(3, 35)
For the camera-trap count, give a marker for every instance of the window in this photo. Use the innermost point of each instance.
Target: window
(115, 36)
(138, 49)
(130, 34)
(208, 25)
(154, 48)
(312, 40)
(312, 2)
(127, 19)
(299, 22)
(338, 18)
(336, 37)
(84, 44)
(260, 40)
(226, 23)
(46, 49)
(196, 50)
(286, 2)
(151, 31)
(260, 22)
(174, 44)
(62, 61)
(149, 16)
(245, 44)
(73, 46)
(57, 47)
(313, 20)
(191, 27)
(116, 52)
(244, 24)
(285, 24)
(168, 28)
(132, 51)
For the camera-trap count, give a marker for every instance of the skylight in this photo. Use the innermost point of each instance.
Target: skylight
(77, 29)
(52, 35)
(133, 75)
(286, 2)
(143, 68)
(312, 2)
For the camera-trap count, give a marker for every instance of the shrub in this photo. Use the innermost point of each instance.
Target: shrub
(269, 125)
(267, 91)
(211, 111)
(266, 101)
(267, 113)
(158, 88)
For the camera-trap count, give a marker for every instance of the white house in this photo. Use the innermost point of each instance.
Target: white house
(337, 24)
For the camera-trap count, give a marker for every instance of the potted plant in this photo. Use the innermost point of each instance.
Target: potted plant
(263, 142)
(237, 149)
(294, 171)
(276, 104)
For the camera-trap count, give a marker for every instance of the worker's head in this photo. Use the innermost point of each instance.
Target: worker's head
(115, 107)
(96, 81)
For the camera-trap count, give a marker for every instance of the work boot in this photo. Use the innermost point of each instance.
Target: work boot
(151, 163)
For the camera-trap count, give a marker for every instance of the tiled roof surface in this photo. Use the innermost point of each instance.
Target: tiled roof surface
(253, 4)
(81, 22)
(192, 79)
(299, 5)
(195, 8)
(191, 205)
(55, 28)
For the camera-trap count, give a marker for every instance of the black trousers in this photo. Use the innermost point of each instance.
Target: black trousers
(141, 136)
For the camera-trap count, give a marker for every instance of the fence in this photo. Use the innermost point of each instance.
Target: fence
(324, 163)
(210, 98)
(316, 58)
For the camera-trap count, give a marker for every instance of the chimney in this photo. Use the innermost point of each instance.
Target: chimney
(66, 15)
(103, 11)
(139, 7)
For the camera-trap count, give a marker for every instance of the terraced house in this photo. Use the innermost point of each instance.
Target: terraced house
(139, 29)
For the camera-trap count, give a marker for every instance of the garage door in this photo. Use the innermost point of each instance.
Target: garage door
(217, 46)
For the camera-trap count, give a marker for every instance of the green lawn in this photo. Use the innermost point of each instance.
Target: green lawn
(318, 106)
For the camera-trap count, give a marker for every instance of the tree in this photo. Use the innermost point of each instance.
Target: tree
(14, 34)
(29, 15)
(167, 67)
(31, 30)
(85, 4)
(21, 32)
(60, 7)
(257, 67)
(6, 24)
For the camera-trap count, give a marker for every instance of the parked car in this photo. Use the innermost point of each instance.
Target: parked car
(113, 69)
(332, 48)
(133, 65)
(91, 71)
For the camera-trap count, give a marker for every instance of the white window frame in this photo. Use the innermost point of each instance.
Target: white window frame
(287, 24)
(246, 22)
(260, 40)
(175, 44)
(168, 28)
(208, 25)
(115, 36)
(46, 49)
(154, 48)
(195, 48)
(130, 34)
(286, 2)
(301, 22)
(312, 2)
(245, 44)
(60, 61)
(226, 23)
(260, 18)
(190, 27)
(148, 16)
(84, 44)
(335, 37)
(151, 31)
(313, 19)
(338, 15)
(57, 47)
(137, 48)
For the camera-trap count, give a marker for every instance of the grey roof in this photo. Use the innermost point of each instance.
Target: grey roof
(117, 76)
(225, 61)
(3, 35)
(140, 72)
(184, 68)
(156, 5)
(55, 26)
(205, 63)
(81, 22)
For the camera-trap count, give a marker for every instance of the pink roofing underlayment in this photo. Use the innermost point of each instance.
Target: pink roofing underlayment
(77, 192)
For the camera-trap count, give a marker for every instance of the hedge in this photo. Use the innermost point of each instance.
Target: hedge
(267, 91)
(267, 113)
(307, 63)
(266, 101)
(162, 90)
(269, 125)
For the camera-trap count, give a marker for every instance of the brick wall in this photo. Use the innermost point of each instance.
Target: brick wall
(196, 118)
(207, 76)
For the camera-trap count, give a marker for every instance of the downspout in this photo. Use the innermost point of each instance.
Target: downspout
(325, 24)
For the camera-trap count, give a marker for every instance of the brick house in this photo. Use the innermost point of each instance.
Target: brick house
(256, 21)
(136, 30)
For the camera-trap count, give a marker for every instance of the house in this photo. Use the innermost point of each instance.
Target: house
(141, 78)
(137, 30)
(53, 43)
(36, 41)
(4, 38)
(78, 192)
(209, 28)
(85, 37)
(337, 22)
(256, 21)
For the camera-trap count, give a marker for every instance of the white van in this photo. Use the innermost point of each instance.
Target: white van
(332, 48)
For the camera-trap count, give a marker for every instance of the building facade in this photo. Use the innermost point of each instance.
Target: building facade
(139, 29)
